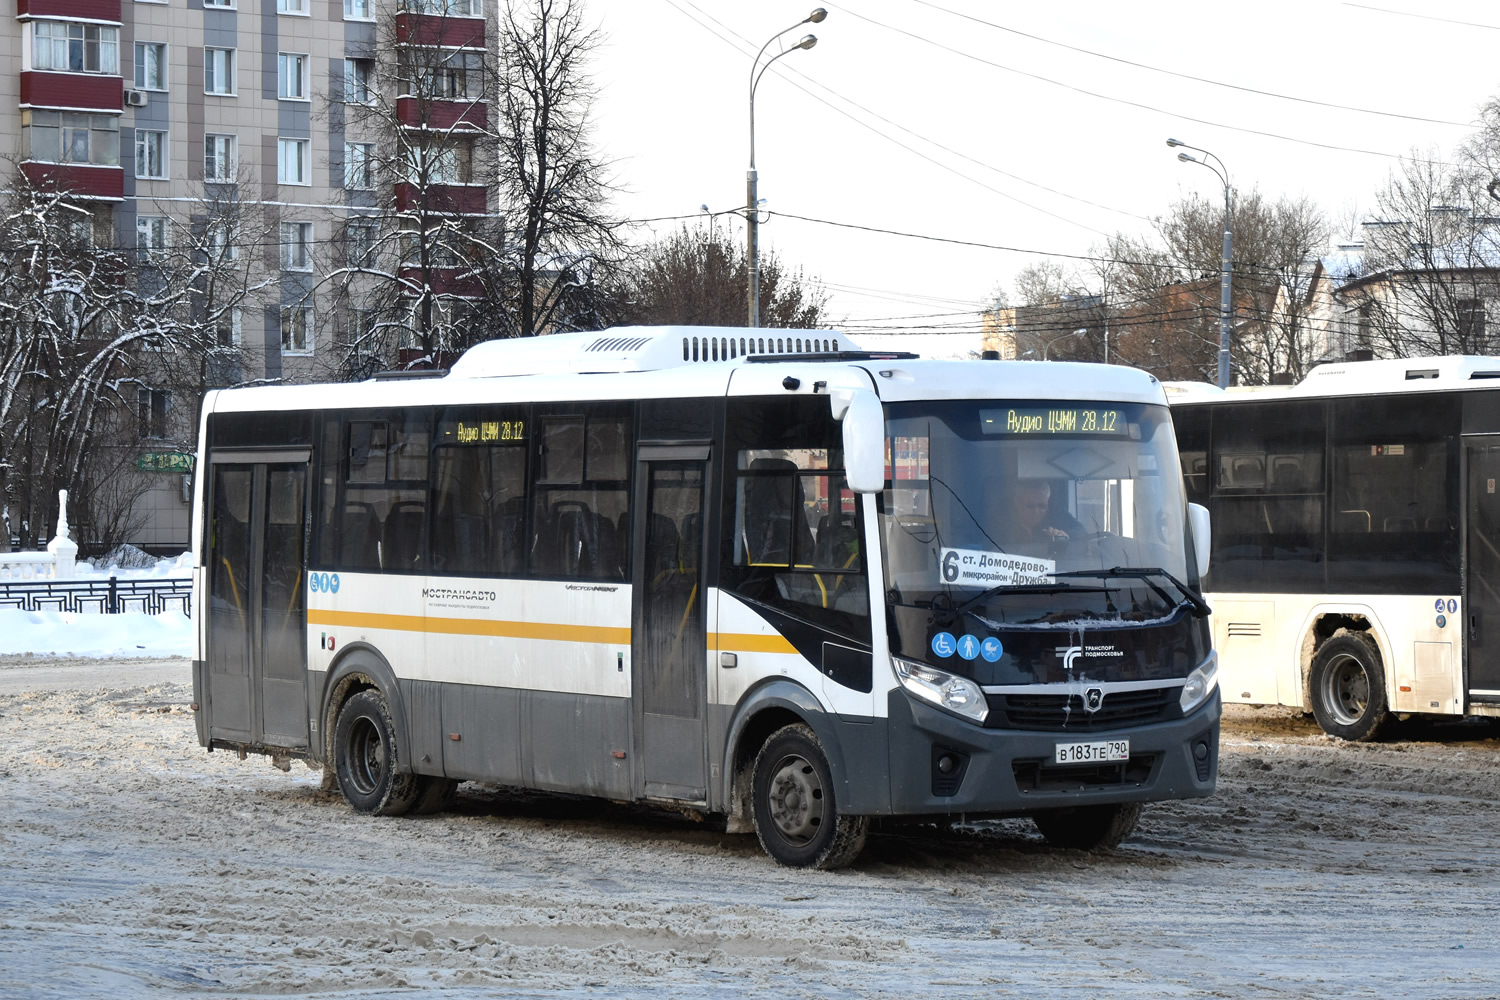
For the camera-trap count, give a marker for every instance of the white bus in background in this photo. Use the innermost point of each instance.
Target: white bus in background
(753, 573)
(1356, 537)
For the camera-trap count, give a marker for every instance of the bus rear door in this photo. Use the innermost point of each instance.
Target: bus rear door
(1482, 567)
(257, 623)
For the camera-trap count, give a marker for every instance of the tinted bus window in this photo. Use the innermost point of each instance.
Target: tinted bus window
(580, 524)
(375, 514)
(479, 491)
(1394, 497)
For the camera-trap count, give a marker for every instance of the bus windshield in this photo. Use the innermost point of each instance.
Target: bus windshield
(998, 510)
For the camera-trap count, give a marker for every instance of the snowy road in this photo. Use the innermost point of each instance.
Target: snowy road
(133, 864)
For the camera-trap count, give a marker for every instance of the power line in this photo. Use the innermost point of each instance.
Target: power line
(1189, 76)
(1424, 17)
(1126, 102)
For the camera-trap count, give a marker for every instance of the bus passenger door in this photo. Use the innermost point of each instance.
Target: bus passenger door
(257, 621)
(1482, 566)
(669, 650)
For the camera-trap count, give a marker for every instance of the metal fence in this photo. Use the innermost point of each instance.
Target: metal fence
(100, 596)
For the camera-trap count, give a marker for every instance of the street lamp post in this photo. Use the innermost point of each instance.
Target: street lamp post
(752, 249)
(1048, 345)
(1227, 273)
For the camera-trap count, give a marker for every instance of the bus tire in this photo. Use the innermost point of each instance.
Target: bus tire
(434, 795)
(797, 818)
(1087, 828)
(364, 748)
(1347, 687)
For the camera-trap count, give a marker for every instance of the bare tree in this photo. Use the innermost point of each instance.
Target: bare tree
(695, 277)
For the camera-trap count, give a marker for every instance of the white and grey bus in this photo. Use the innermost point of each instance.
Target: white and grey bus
(756, 574)
(1356, 537)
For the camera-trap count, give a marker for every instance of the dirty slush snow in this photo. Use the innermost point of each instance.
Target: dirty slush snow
(134, 864)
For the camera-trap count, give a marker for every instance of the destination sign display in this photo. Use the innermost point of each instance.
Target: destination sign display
(1040, 421)
(478, 431)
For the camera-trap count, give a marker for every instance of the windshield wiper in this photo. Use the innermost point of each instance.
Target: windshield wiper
(1200, 606)
(967, 607)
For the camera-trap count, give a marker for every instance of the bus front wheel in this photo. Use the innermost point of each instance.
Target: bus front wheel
(1347, 683)
(364, 742)
(796, 814)
(1087, 828)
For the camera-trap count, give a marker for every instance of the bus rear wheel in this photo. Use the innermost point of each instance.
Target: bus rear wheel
(1088, 828)
(1347, 684)
(796, 814)
(364, 747)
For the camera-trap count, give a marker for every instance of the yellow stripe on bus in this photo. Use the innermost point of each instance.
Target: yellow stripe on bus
(747, 643)
(471, 626)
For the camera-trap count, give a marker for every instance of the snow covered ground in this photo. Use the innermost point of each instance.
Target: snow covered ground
(131, 633)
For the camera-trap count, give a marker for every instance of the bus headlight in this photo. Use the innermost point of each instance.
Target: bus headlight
(1200, 684)
(956, 694)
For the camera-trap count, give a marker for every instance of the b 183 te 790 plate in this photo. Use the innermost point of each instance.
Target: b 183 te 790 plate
(1093, 753)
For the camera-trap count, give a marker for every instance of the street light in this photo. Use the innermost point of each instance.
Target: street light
(1048, 345)
(1221, 172)
(752, 253)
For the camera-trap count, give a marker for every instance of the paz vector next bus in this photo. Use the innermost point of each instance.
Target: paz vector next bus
(770, 577)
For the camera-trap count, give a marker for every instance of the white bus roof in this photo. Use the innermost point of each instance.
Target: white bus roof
(1357, 378)
(648, 363)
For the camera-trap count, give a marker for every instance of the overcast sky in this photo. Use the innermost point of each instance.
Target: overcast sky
(917, 117)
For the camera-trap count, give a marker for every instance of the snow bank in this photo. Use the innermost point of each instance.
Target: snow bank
(69, 633)
(159, 569)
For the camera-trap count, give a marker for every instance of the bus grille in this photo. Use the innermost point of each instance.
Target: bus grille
(1066, 712)
(1040, 776)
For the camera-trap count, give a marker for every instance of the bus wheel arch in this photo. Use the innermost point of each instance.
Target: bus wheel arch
(1346, 686)
(1323, 627)
(360, 668)
(761, 714)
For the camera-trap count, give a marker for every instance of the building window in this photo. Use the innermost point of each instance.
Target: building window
(218, 72)
(445, 75)
(152, 407)
(296, 246)
(1471, 323)
(150, 66)
(291, 161)
(359, 81)
(360, 238)
(70, 47)
(291, 76)
(359, 165)
(291, 6)
(150, 154)
(222, 4)
(71, 137)
(296, 329)
(228, 331)
(218, 242)
(452, 164)
(359, 10)
(150, 234)
(219, 159)
(450, 8)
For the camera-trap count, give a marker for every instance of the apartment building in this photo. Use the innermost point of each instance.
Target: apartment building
(326, 126)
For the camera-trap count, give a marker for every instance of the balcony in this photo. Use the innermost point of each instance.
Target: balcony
(93, 10)
(82, 180)
(73, 91)
(436, 29)
(457, 282)
(442, 115)
(444, 199)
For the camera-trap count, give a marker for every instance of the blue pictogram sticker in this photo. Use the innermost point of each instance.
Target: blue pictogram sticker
(991, 649)
(943, 644)
(1442, 620)
(1452, 606)
(333, 583)
(313, 584)
(1438, 605)
(968, 647)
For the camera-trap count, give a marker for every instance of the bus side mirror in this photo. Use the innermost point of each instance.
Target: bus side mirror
(1202, 539)
(864, 437)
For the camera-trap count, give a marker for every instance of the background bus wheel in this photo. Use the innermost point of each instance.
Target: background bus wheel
(1347, 683)
(796, 816)
(434, 795)
(1088, 827)
(364, 748)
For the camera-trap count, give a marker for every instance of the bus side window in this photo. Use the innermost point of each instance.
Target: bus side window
(581, 494)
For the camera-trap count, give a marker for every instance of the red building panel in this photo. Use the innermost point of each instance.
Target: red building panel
(97, 10)
(442, 114)
(434, 29)
(73, 90)
(448, 199)
(447, 281)
(83, 180)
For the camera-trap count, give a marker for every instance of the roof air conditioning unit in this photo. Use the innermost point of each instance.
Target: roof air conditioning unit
(135, 98)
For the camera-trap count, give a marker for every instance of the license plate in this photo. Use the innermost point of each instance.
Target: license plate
(1089, 753)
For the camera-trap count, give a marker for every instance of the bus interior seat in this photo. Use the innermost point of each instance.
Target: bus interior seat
(401, 535)
(1352, 522)
(361, 536)
(509, 535)
(691, 545)
(1286, 473)
(838, 541)
(770, 528)
(582, 541)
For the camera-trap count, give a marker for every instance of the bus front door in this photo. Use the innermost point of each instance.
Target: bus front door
(1482, 567)
(669, 650)
(257, 669)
